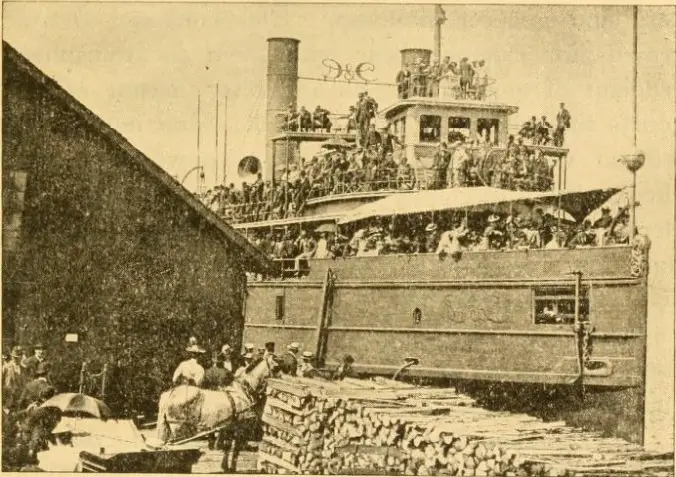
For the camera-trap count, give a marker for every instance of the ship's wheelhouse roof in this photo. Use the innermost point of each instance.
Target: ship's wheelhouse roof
(450, 104)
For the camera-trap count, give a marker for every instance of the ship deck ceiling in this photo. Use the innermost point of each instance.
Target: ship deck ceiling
(285, 222)
(311, 136)
(447, 103)
(578, 203)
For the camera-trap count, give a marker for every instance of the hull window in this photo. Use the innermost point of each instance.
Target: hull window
(556, 305)
(458, 129)
(279, 306)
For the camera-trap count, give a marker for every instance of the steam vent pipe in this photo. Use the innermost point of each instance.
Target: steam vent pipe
(409, 56)
(282, 91)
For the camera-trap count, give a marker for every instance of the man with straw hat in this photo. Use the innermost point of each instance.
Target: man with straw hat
(288, 360)
(190, 372)
(13, 379)
(249, 363)
(306, 369)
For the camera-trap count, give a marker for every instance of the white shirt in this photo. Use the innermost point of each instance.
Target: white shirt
(227, 365)
(189, 369)
(322, 250)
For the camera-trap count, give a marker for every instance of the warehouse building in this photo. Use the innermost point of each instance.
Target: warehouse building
(107, 259)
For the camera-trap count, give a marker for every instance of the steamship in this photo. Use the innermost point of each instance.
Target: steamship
(478, 318)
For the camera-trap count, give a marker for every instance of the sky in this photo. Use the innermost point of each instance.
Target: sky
(140, 67)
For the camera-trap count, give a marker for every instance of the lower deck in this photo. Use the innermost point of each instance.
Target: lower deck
(493, 316)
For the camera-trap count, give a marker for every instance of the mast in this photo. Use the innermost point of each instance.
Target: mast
(225, 139)
(439, 19)
(635, 58)
(198, 140)
(216, 153)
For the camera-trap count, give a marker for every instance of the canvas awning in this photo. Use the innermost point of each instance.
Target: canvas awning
(578, 203)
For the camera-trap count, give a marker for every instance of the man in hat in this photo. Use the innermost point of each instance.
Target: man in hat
(190, 372)
(466, 76)
(542, 132)
(292, 118)
(562, 123)
(431, 238)
(320, 119)
(38, 390)
(344, 370)
(306, 369)
(305, 119)
(39, 356)
(289, 360)
(226, 352)
(387, 140)
(269, 349)
(403, 79)
(13, 379)
(605, 220)
(442, 159)
(249, 362)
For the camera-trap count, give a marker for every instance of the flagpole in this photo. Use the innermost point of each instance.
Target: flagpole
(439, 19)
(216, 154)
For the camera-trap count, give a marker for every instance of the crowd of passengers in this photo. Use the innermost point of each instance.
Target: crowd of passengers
(373, 168)
(450, 234)
(449, 79)
(377, 162)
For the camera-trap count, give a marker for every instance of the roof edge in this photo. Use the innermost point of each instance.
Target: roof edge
(253, 254)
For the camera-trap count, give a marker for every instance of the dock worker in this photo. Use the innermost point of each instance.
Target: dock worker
(38, 390)
(269, 348)
(190, 372)
(39, 356)
(226, 352)
(345, 369)
(13, 379)
(306, 369)
(289, 360)
(249, 363)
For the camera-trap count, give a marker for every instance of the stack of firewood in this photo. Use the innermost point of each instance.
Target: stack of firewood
(366, 427)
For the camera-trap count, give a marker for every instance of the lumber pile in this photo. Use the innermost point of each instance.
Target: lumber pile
(385, 427)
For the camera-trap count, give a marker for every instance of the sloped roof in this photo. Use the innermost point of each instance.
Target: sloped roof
(578, 203)
(255, 259)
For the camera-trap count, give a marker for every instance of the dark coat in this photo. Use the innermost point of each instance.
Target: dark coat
(36, 390)
(217, 377)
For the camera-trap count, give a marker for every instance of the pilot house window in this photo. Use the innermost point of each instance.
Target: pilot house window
(430, 128)
(556, 305)
(487, 129)
(458, 129)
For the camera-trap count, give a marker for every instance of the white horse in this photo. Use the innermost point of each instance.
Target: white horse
(185, 410)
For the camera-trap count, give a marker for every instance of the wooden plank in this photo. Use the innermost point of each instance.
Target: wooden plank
(276, 403)
(262, 456)
(289, 386)
(271, 421)
(282, 444)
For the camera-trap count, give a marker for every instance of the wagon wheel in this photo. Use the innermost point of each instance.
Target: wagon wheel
(488, 163)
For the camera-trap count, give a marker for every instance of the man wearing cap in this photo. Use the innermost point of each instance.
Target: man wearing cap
(226, 352)
(249, 363)
(13, 379)
(269, 349)
(31, 363)
(320, 119)
(306, 369)
(39, 389)
(387, 140)
(190, 372)
(288, 360)
(562, 123)
(345, 369)
(431, 238)
(292, 118)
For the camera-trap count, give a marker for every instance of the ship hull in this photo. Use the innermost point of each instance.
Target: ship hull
(473, 318)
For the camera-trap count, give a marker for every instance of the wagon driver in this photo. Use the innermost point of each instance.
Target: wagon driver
(190, 371)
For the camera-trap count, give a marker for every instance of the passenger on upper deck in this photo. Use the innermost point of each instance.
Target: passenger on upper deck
(562, 123)
(320, 119)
